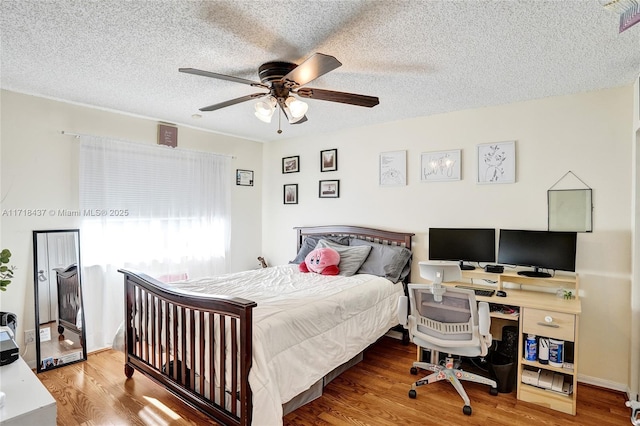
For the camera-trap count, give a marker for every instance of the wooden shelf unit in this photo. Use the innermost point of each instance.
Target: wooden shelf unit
(542, 313)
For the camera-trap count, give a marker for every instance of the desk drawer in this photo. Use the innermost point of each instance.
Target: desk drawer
(561, 326)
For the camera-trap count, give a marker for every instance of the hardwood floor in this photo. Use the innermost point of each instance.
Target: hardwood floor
(374, 392)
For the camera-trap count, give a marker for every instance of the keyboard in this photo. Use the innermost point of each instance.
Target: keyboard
(478, 291)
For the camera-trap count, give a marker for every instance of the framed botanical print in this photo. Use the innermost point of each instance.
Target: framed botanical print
(497, 162)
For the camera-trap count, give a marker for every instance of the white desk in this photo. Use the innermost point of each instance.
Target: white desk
(27, 401)
(536, 308)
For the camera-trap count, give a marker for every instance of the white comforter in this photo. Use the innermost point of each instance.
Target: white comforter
(305, 325)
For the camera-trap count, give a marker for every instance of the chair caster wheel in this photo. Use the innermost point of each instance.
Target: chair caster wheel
(413, 394)
(466, 410)
(414, 370)
(493, 391)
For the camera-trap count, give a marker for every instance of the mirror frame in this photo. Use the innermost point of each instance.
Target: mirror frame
(570, 210)
(82, 334)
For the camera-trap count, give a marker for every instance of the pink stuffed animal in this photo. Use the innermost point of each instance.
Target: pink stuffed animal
(322, 261)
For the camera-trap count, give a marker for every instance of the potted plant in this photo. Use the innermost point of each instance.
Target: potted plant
(6, 272)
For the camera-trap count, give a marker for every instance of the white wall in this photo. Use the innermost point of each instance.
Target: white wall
(585, 133)
(40, 171)
(634, 360)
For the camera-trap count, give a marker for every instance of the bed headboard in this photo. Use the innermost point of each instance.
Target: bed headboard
(402, 239)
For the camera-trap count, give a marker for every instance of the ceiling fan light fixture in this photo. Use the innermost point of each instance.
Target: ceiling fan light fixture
(262, 117)
(297, 108)
(265, 109)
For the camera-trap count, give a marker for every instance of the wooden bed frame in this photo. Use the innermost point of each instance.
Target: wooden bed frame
(163, 326)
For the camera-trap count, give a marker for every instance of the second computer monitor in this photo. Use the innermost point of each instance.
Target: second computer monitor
(462, 245)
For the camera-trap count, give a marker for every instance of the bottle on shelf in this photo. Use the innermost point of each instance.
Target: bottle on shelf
(556, 349)
(543, 350)
(531, 348)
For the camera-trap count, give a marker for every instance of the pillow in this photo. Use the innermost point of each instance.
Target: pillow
(351, 258)
(391, 262)
(310, 242)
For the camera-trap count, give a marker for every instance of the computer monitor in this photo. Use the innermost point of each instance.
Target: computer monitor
(537, 249)
(462, 245)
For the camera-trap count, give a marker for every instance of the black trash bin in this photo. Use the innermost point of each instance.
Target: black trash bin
(503, 370)
(508, 345)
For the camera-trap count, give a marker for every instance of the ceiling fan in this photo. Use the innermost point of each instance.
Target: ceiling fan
(283, 80)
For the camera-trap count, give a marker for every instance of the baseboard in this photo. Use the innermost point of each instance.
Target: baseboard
(607, 384)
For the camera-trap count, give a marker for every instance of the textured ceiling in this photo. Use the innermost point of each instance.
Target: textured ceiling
(419, 57)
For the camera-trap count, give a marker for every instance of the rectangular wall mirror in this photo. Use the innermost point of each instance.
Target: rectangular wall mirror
(570, 210)
(60, 332)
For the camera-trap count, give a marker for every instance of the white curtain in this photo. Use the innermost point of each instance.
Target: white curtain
(158, 210)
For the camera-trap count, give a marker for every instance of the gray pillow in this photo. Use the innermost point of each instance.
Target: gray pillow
(310, 242)
(391, 262)
(351, 258)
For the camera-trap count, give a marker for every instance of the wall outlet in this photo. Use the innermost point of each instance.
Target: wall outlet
(29, 337)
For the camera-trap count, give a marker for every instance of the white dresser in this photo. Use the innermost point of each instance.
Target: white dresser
(27, 401)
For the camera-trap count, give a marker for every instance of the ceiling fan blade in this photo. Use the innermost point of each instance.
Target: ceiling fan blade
(222, 77)
(233, 102)
(313, 67)
(342, 97)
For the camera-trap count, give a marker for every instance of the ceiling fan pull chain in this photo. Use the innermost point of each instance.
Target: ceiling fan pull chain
(279, 117)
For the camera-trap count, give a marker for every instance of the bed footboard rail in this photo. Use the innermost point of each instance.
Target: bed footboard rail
(199, 347)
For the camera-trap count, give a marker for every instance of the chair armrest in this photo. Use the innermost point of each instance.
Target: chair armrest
(484, 319)
(403, 309)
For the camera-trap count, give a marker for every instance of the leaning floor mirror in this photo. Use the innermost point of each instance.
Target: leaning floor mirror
(61, 338)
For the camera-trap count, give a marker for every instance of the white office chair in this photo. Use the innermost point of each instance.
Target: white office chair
(446, 320)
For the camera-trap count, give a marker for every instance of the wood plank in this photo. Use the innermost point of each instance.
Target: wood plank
(374, 392)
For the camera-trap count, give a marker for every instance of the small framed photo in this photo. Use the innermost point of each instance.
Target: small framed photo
(329, 160)
(244, 177)
(167, 135)
(329, 189)
(291, 193)
(291, 164)
(497, 162)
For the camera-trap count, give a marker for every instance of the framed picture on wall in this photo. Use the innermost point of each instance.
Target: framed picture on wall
(393, 168)
(291, 164)
(440, 166)
(329, 160)
(329, 189)
(244, 177)
(291, 193)
(497, 162)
